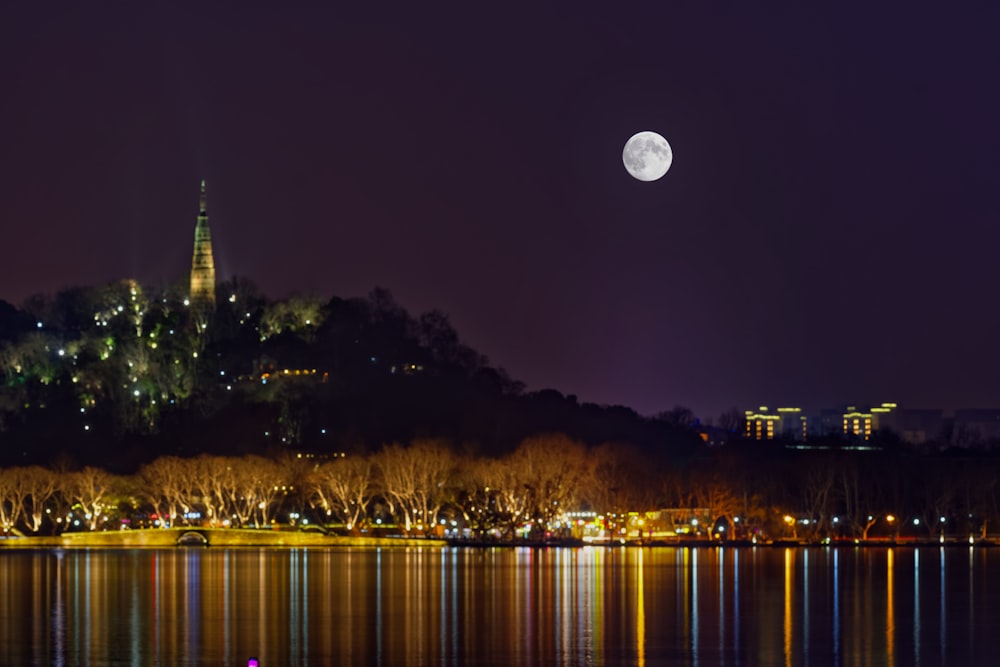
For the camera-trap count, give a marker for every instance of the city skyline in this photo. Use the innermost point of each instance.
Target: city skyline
(824, 234)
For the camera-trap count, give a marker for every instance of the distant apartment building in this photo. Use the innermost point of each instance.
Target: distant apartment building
(857, 422)
(783, 423)
(862, 423)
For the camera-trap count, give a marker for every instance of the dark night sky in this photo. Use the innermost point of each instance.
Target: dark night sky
(827, 232)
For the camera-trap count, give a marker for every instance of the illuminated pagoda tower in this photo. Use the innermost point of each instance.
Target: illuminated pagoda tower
(202, 264)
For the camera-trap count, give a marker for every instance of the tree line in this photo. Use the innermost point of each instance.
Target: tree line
(746, 490)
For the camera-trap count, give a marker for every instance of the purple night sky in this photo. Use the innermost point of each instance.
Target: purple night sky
(828, 231)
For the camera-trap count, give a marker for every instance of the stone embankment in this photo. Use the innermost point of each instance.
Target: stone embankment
(212, 537)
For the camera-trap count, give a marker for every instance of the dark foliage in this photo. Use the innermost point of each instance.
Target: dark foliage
(118, 376)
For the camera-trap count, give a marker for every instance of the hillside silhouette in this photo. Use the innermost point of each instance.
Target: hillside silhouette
(121, 374)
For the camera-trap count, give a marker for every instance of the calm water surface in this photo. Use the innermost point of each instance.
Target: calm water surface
(510, 607)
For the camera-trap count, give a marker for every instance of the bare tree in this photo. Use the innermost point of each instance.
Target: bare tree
(492, 496)
(166, 484)
(860, 502)
(88, 489)
(617, 481)
(731, 421)
(818, 489)
(435, 464)
(344, 487)
(11, 498)
(213, 480)
(257, 484)
(416, 480)
(712, 491)
(679, 417)
(397, 481)
(41, 488)
(553, 470)
(473, 495)
(937, 494)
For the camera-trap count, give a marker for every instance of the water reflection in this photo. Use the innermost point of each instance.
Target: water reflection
(590, 606)
(890, 618)
(788, 608)
(916, 608)
(943, 637)
(640, 624)
(836, 607)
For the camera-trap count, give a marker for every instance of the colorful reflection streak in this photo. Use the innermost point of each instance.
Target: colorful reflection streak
(589, 606)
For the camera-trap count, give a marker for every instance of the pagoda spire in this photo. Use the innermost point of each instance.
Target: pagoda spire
(202, 263)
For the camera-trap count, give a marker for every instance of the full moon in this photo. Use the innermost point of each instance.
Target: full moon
(647, 156)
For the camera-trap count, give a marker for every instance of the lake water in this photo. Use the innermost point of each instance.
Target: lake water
(505, 606)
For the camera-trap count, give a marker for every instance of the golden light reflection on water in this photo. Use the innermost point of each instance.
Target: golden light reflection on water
(510, 607)
(683, 574)
(640, 621)
(890, 609)
(788, 608)
(694, 611)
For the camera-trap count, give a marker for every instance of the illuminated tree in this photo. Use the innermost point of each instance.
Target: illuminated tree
(713, 492)
(214, 482)
(343, 487)
(475, 495)
(35, 358)
(509, 495)
(166, 484)
(240, 305)
(398, 483)
(416, 480)
(435, 463)
(300, 315)
(621, 480)
(87, 490)
(553, 470)
(491, 496)
(257, 483)
(25, 493)
(11, 498)
(27, 367)
(41, 489)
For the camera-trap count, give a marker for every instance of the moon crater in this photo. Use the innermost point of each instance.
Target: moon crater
(647, 156)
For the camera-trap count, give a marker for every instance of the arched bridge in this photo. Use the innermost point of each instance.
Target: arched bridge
(193, 538)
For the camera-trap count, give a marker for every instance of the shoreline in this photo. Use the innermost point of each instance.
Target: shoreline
(736, 544)
(161, 538)
(242, 537)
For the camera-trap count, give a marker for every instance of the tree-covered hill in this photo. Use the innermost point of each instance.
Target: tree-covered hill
(118, 375)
